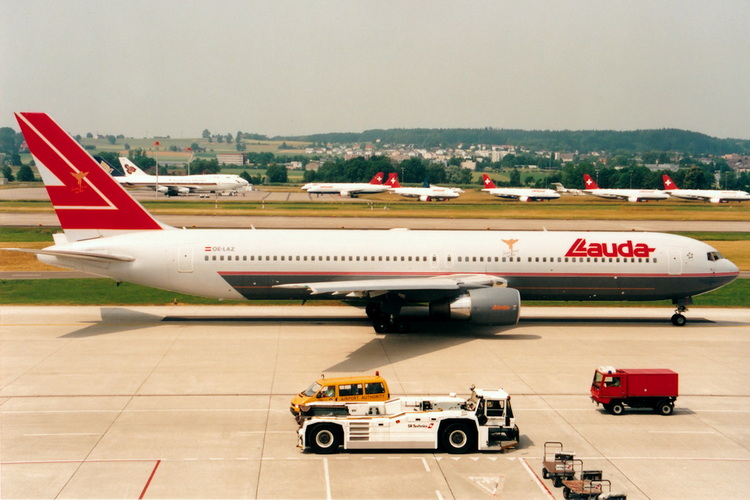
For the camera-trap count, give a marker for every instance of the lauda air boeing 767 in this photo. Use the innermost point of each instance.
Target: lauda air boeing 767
(480, 276)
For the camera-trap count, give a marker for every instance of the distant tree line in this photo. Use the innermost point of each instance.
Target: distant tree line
(628, 142)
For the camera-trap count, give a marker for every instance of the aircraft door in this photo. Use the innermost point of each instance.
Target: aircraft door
(185, 260)
(675, 261)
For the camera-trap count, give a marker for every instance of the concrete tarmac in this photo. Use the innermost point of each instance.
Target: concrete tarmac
(192, 402)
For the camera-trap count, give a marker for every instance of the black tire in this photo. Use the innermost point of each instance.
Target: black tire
(545, 473)
(457, 438)
(381, 325)
(557, 481)
(325, 438)
(678, 320)
(566, 492)
(665, 408)
(617, 408)
(400, 326)
(372, 309)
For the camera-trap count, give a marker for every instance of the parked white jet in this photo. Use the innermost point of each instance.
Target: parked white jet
(519, 194)
(634, 195)
(711, 195)
(476, 275)
(350, 189)
(563, 190)
(428, 192)
(173, 185)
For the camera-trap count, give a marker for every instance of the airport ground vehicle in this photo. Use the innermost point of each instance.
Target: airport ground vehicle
(483, 421)
(567, 471)
(345, 389)
(636, 388)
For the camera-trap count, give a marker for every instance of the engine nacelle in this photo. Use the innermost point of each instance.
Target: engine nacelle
(633, 199)
(482, 306)
(424, 197)
(183, 190)
(523, 198)
(162, 189)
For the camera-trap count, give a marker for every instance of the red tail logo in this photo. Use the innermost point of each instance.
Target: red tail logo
(668, 182)
(589, 182)
(488, 184)
(85, 197)
(377, 179)
(393, 180)
(627, 249)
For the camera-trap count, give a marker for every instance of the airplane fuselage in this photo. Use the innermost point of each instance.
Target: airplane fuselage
(232, 264)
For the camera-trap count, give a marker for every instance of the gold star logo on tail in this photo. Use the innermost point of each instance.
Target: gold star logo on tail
(79, 177)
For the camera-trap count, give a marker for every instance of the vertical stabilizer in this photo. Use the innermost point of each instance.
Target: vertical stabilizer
(88, 202)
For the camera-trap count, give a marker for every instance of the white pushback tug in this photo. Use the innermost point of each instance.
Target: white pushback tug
(484, 421)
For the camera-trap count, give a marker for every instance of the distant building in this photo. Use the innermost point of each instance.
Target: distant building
(469, 164)
(231, 159)
(656, 167)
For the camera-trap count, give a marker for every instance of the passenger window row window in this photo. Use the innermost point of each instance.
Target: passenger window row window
(402, 258)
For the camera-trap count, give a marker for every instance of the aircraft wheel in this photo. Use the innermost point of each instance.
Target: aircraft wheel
(381, 324)
(372, 310)
(678, 319)
(400, 326)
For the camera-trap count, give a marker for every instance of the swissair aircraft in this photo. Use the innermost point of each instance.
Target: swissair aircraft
(634, 195)
(476, 275)
(712, 195)
(173, 185)
(350, 189)
(520, 194)
(428, 192)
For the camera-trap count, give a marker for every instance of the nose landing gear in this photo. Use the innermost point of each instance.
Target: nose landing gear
(678, 319)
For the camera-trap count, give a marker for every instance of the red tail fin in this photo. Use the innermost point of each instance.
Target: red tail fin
(393, 180)
(589, 182)
(377, 179)
(669, 184)
(88, 202)
(488, 184)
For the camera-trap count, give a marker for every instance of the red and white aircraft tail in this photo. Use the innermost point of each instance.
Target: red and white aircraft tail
(87, 200)
(488, 184)
(377, 179)
(393, 180)
(669, 184)
(589, 182)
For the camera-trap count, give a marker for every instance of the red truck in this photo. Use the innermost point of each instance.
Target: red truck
(636, 388)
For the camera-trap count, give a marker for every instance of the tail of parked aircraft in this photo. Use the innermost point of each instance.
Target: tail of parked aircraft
(488, 184)
(589, 182)
(87, 200)
(377, 179)
(669, 184)
(130, 168)
(393, 180)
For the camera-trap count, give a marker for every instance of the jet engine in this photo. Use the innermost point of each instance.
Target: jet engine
(162, 189)
(183, 190)
(523, 198)
(633, 199)
(482, 306)
(424, 197)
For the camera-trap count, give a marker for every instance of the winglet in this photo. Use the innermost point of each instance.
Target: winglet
(87, 200)
(488, 184)
(589, 182)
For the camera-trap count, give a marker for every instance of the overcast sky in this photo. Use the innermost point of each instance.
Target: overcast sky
(176, 67)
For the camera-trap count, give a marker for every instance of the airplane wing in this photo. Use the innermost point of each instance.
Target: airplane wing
(375, 287)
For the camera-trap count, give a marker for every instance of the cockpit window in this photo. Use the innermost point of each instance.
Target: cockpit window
(714, 256)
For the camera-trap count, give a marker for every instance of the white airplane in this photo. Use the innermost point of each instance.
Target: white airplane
(480, 276)
(173, 185)
(562, 189)
(633, 195)
(712, 195)
(428, 192)
(519, 194)
(350, 189)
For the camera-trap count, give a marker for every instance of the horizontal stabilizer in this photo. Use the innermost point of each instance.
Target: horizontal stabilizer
(101, 257)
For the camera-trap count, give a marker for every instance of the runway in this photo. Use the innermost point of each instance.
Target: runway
(192, 402)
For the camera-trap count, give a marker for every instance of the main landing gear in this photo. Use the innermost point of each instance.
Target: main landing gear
(385, 318)
(678, 319)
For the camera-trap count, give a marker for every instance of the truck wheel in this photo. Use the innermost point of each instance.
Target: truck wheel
(665, 408)
(617, 408)
(457, 439)
(545, 473)
(566, 492)
(324, 438)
